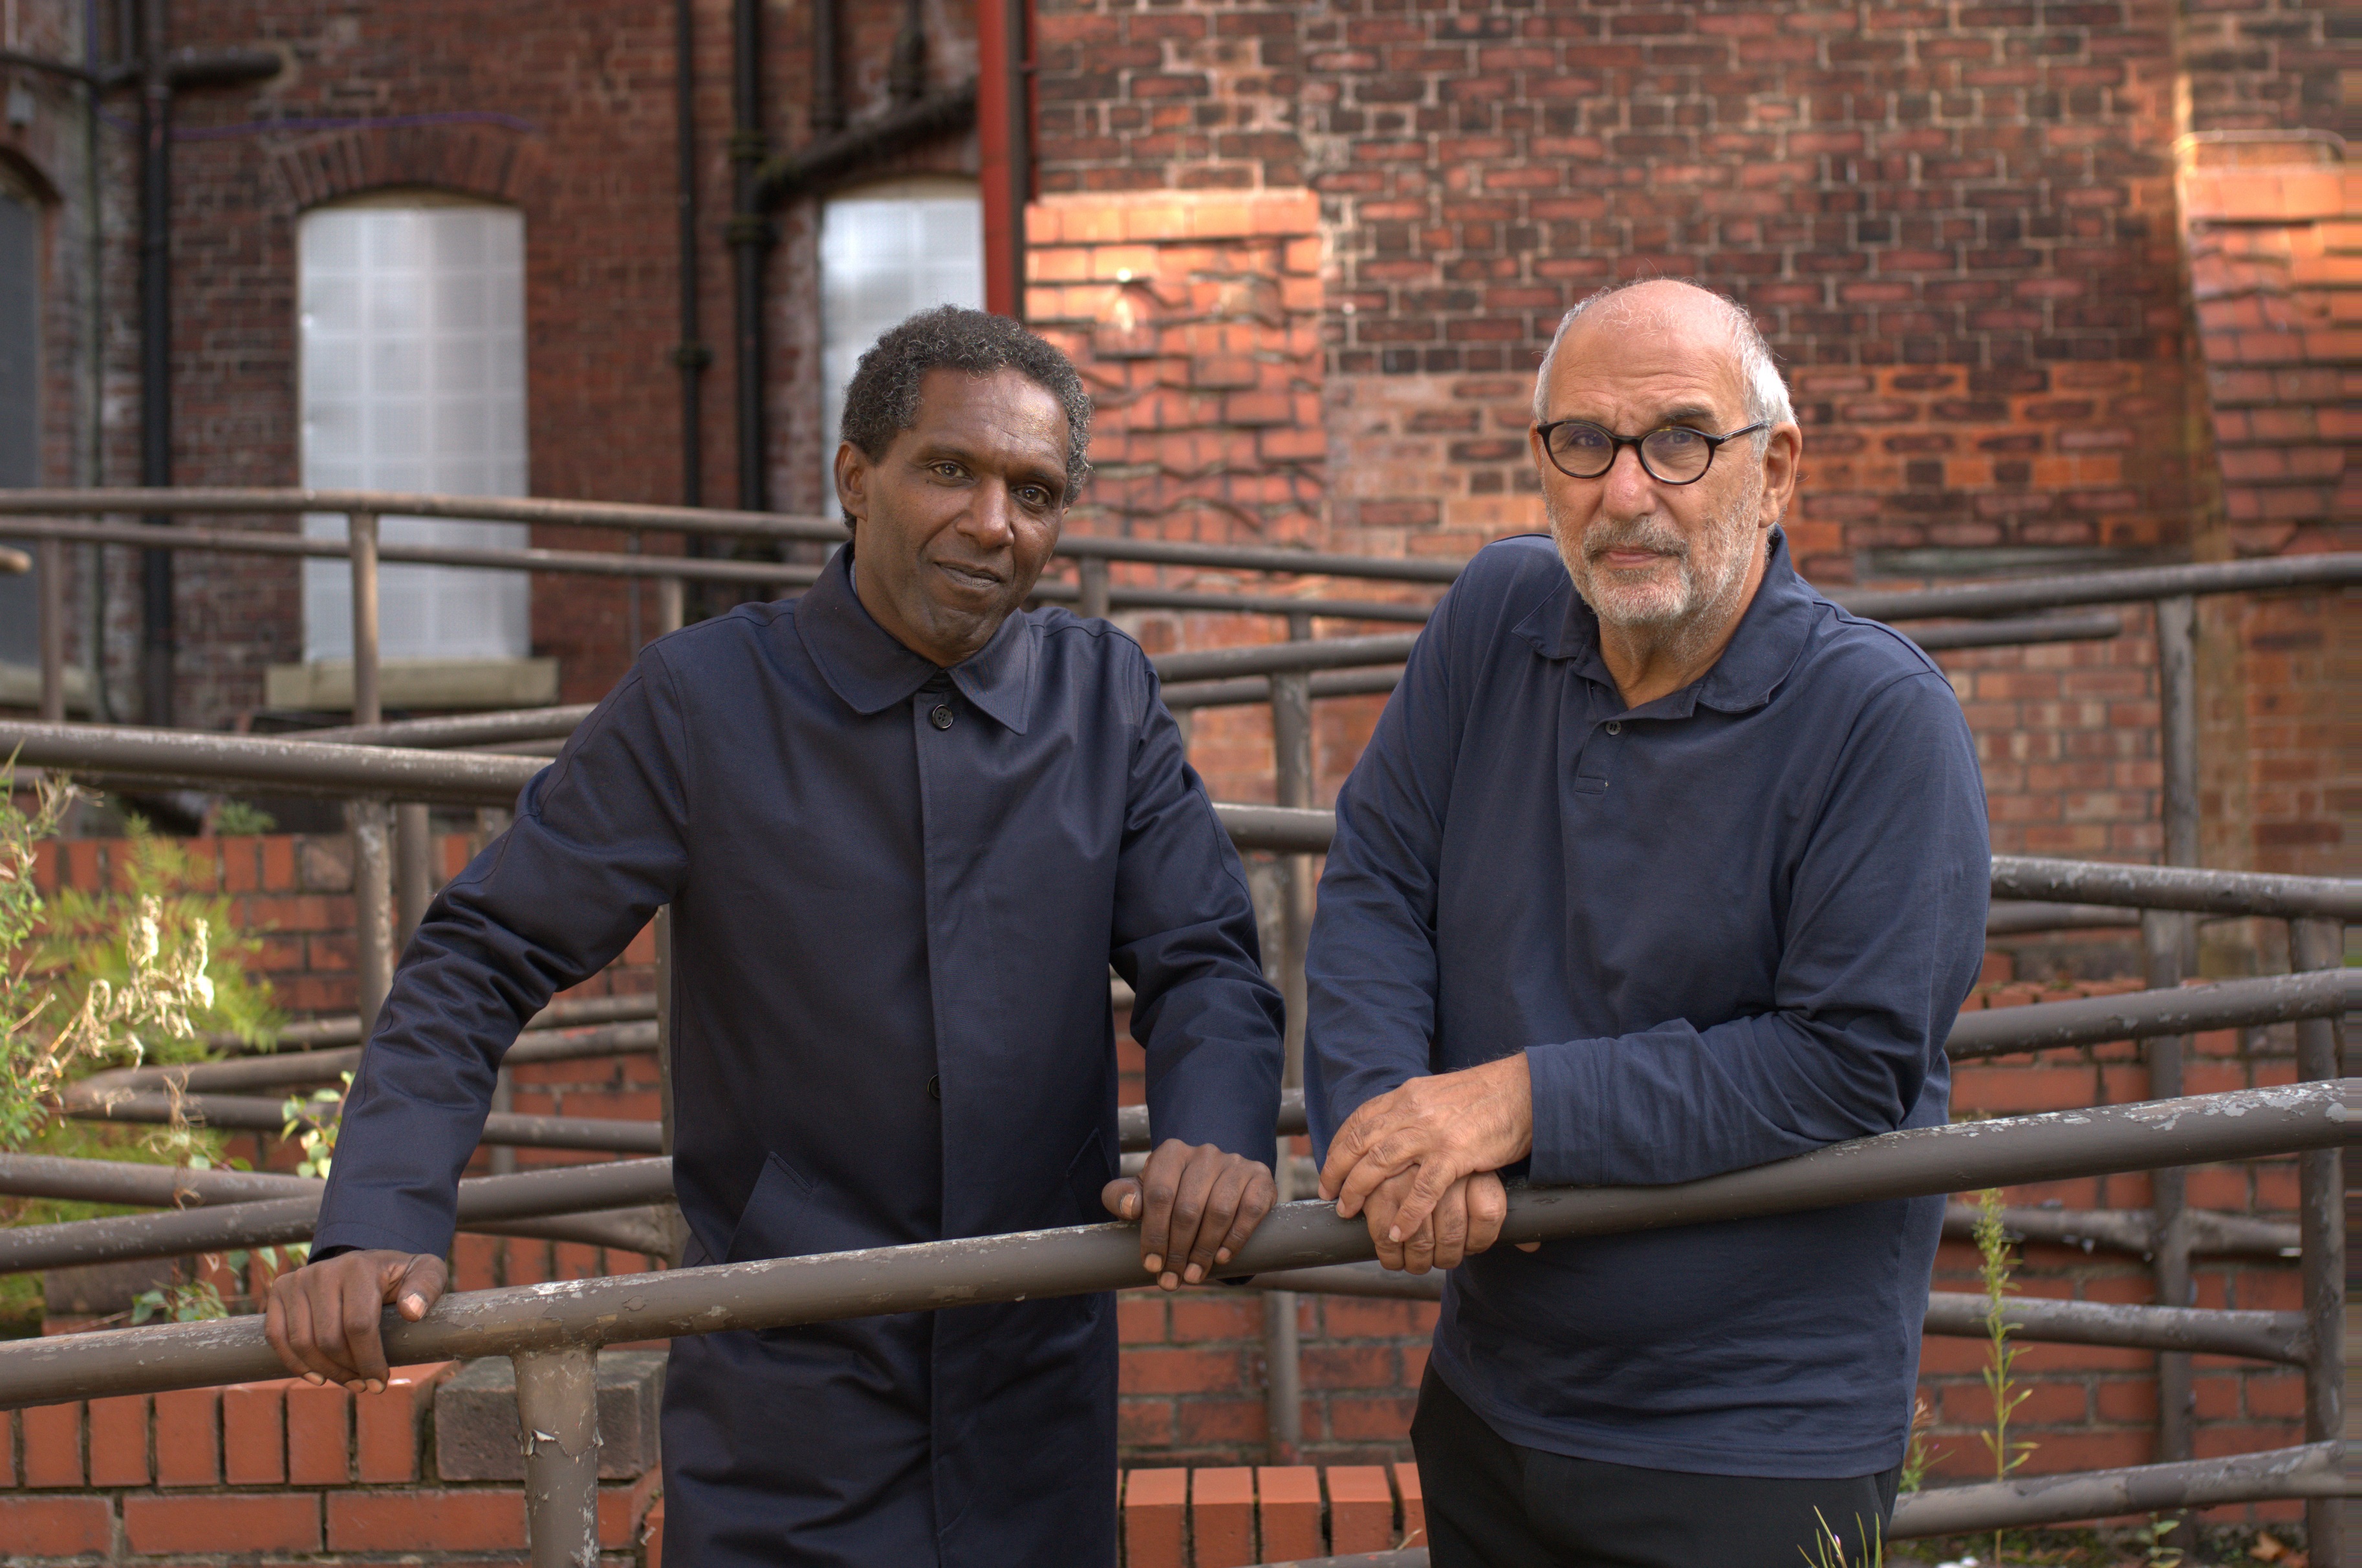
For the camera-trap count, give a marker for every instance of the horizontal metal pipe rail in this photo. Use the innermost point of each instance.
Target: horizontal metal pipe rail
(607, 1134)
(779, 1293)
(2134, 1231)
(287, 1214)
(2315, 1470)
(1981, 600)
(2259, 1336)
(458, 729)
(297, 1068)
(344, 1029)
(553, 1189)
(2145, 1015)
(2014, 917)
(2178, 887)
(681, 568)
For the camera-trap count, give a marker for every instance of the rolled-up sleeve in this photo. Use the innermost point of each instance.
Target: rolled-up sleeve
(597, 847)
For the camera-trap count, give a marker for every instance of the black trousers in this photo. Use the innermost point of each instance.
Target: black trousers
(1493, 1504)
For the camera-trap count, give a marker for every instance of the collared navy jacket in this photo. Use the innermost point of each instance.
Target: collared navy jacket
(1726, 926)
(896, 893)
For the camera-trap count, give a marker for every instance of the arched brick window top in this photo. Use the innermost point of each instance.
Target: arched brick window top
(485, 161)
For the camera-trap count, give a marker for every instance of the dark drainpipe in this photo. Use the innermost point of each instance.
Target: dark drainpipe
(750, 237)
(827, 97)
(692, 356)
(155, 354)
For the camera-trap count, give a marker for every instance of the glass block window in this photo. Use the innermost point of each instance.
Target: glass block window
(886, 251)
(413, 331)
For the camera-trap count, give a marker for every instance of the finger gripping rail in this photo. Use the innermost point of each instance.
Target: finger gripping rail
(776, 1293)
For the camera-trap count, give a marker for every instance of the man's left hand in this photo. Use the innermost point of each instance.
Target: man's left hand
(1196, 1205)
(1447, 1128)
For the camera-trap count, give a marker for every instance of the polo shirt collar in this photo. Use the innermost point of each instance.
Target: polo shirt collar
(1771, 638)
(871, 671)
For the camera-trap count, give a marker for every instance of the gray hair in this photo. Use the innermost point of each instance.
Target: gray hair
(1766, 394)
(882, 398)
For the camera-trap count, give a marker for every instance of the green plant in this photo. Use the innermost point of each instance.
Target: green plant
(1829, 1549)
(234, 819)
(1921, 1452)
(1995, 1264)
(196, 1301)
(2150, 1538)
(312, 1124)
(140, 972)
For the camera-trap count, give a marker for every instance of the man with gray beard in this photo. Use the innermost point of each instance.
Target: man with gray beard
(1659, 865)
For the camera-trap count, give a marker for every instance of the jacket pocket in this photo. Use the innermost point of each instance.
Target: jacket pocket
(1086, 1175)
(782, 1218)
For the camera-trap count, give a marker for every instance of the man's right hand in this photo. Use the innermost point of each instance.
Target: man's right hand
(323, 1318)
(1466, 1220)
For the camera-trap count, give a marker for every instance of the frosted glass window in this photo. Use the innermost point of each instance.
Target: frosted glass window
(885, 252)
(412, 316)
(20, 317)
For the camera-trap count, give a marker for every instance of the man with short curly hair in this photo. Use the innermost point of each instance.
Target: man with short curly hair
(904, 826)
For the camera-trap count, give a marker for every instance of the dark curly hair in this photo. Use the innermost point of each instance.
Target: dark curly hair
(883, 396)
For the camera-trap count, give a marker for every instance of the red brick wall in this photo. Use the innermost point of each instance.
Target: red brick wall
(274, 1468)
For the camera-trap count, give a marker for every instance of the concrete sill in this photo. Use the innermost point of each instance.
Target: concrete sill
(327, 686)
(20, 686)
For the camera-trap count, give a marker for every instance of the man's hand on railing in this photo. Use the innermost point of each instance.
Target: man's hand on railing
(1466, 1220)
(323, 1318)
(1196, 1205)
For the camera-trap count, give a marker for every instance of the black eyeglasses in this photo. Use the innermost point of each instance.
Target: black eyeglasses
(1675, 455)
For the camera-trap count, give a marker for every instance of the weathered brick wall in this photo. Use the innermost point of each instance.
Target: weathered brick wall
(269, 1469)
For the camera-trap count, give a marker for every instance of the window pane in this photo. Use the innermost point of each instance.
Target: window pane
(884, 254)
(414, 353)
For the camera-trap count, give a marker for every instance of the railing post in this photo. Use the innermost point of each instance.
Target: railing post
(557, 1410)
(372, 908)
(372, 873)
(50, 588)
(671, 612)
(414, 868)
(1291, 735)
(1093, 571)
(2166, 938)
(2321, 1184)
(360, 534)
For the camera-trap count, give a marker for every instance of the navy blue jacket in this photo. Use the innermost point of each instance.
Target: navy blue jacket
(896, 892)
(1729, 926)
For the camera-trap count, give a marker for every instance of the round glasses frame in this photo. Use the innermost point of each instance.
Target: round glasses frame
(1639, 446)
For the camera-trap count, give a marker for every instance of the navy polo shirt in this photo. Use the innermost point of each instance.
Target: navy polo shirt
(1730, 926)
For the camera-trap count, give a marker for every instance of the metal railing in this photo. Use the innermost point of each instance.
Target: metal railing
(1288, 676)
(552, 1331)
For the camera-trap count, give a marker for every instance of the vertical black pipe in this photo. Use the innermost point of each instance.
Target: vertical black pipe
(692, 354)
(906, 71)
(749, 238)
(827, 98)
(155, 354)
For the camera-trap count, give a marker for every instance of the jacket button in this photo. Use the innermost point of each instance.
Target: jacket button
(942, 716)
(935, 1087)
